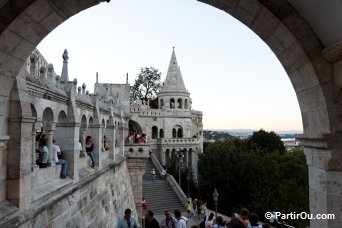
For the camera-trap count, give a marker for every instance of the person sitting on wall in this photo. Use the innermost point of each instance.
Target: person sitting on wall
(42, 160)
(54, 152)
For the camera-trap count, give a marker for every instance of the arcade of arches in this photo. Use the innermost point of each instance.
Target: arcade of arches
(307, 41)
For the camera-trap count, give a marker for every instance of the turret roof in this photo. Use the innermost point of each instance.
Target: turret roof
(174, 80)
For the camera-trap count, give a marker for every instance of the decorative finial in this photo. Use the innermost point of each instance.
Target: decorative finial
(65, 55)
(127, 78)
(97, 77)
(173, 48)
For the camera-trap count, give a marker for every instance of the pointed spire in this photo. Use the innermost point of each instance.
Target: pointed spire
(127, 78)
(174, 80)
(65, 74)
(97, 77)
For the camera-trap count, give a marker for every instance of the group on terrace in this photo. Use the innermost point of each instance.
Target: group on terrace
(136, 137)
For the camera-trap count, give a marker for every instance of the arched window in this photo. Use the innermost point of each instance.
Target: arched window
(174, 133)
(172, 103)
(167, 156)
(179, 103)
(186, 104)
(161, 102)
(180, 133)
(154, 132)
(161, 133)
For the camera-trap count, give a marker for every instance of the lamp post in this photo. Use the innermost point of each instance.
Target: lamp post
(188, 179)
(179, 155)
(215, 198)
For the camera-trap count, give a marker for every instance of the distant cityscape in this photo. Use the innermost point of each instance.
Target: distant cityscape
(288, 137)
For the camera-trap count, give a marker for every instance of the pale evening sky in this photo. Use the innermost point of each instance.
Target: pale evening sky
(232, 75)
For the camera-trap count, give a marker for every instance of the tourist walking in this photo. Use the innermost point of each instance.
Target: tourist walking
(90, 150)
(150, 221)
(55, 150)
(168, 221)
(127, 221)
(153, 172)
(203, 210)
(189, 208)
(180, 223)
(194, 207)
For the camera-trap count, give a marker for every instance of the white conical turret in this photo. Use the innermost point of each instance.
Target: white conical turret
(173, 94)
(174, 80)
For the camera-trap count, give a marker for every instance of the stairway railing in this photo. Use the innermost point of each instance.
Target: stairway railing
(171, 180)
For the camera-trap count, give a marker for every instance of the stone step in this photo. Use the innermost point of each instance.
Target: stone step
(158, 194)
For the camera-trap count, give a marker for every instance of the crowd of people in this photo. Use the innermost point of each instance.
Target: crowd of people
(136, 137)
(178, 221)
(44, 157)
(244, 219)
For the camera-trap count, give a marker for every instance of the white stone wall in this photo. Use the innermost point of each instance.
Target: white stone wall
(98, 203)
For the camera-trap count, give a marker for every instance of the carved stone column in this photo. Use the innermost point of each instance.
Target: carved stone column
(19, 161)
(324, 159)
(137, 157)
(111, 141)
(121, 139)
(95, 131)
(162, 157)
(67, 135)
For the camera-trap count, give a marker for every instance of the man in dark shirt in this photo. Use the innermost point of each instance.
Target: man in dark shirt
(150, 222)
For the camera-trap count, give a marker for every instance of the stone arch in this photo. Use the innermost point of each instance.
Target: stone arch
(91, 121)
(173, 154)
(84, 121)
(133, 126)
(172, 103)
(289, 36)
(174, 133)
(161, 133)
(167, 156)
(180, 103)
(33, 111)
(62, 117)
(48, 118)
(83, 130)
(180, 132)
(154, 132)
(161, 103)
(186, 105)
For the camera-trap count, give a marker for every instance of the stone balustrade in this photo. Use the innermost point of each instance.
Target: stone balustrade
(177, 141)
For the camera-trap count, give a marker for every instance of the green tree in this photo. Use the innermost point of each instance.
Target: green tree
(249, 177)
(147, 85)
(265, 141)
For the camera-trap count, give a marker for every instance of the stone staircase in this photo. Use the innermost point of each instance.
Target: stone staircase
(158, 194)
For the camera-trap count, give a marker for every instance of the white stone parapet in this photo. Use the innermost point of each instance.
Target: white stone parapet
(177, 141)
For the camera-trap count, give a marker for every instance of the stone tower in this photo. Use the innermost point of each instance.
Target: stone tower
(173, 127)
